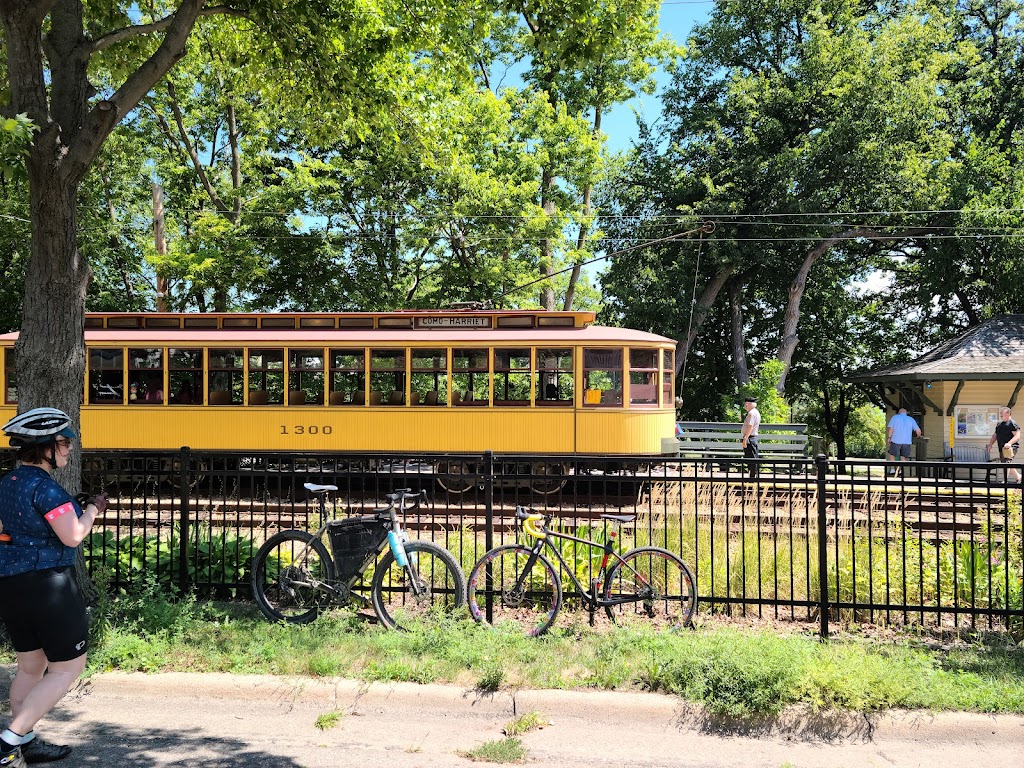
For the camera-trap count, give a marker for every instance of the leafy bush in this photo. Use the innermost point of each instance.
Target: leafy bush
(764, 386)
(214, 557)
(865, 433)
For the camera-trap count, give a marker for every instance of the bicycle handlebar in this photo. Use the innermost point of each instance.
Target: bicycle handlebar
(406, 494)
(522, 513)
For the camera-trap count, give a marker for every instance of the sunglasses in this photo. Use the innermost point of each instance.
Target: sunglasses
(63, 442)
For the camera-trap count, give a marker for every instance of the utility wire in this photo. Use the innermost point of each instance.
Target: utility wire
(705, 227)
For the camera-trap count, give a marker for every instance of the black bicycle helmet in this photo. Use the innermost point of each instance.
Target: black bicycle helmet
(39, 425)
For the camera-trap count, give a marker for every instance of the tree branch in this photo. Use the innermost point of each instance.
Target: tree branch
(126, 33)
(106, 114)
(192, 152)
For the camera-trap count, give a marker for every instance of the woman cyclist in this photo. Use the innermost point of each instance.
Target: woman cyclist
(40, 602)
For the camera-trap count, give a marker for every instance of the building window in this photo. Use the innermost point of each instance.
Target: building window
(668, 371)
(145, 376)
(602, 376)
(226, 379)
(305, 377)
(185, 374)
(106, 376)
(470, 378)
(266, 376)
(429, 377)
(348, 377)
(387, 376)
(555, 380)
(643, 378)
(10, 376)
(512, 374)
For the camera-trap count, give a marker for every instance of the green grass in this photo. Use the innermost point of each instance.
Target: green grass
(507, 750)
(531, 721)
(730, 671)
(327, 720)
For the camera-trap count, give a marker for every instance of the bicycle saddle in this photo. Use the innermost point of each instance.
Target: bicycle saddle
(314, 488)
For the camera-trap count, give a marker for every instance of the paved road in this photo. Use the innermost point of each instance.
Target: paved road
(231, 721)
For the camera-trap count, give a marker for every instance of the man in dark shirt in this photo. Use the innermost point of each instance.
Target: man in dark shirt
(1007, 437)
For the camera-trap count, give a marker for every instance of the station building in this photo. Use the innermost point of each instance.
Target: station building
(955, 391)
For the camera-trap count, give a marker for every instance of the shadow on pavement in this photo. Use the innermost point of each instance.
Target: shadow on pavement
(795, 724)
(100, 744)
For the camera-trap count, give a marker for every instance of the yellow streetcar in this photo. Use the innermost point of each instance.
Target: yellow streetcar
(444, 381)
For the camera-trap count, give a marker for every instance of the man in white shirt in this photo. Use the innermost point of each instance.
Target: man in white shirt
(900, 435)
(749, 437)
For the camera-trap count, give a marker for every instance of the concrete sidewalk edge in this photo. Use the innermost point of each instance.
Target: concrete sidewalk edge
(802, 723)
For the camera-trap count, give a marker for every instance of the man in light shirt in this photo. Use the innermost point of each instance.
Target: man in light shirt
(900, 436)
(748, 437)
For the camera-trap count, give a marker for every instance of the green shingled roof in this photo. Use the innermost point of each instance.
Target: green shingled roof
(992, 350)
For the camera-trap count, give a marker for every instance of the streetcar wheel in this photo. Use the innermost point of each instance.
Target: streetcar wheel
(546, 479)
(431, 588)
(455, 476)
(285, 575)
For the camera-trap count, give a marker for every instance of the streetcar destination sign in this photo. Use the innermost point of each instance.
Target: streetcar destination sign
(453, 322)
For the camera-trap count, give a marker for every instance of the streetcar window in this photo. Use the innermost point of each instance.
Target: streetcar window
(306, 375)
(145, 376)
(106, 376)
(226, 376)
(348, 377)
(10, 376)
(668, 369)
(387, 376)
(185, 374)
(469, 377)
(602, 376)
(643, 378)
(266, 376)
(429, 378)
(555, 380)
(512, 376)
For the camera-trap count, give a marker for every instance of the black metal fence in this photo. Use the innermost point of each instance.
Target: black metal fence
(935, 544)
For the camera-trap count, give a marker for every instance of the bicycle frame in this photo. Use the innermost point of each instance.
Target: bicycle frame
(396, 528)
(592, 597)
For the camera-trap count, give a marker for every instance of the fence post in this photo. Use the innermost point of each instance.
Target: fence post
(822, 462)
(489, 530)
(183, 519)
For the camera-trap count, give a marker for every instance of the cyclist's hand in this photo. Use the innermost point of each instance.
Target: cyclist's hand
(100, 502)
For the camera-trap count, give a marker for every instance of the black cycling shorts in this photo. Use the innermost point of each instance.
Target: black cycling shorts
(45, 610)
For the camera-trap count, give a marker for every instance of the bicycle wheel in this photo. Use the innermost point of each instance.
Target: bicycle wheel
(525, 594)
(285, 573)
(441, 587)
(656, 587)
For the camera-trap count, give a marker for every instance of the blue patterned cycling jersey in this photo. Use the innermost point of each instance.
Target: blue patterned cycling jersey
(29, 499)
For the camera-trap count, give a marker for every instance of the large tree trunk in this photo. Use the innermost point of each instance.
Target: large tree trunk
(787, 347)
(700, 313)
(739, 351)
(51, 347)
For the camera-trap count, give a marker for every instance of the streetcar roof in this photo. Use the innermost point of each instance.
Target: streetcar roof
(591, 334)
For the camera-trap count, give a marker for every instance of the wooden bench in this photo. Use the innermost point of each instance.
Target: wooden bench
(721, 440)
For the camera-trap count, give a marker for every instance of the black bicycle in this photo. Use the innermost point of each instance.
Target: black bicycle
(294, 576)
(648, 585)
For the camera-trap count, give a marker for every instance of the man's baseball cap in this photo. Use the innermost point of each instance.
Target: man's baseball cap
(749, 399)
